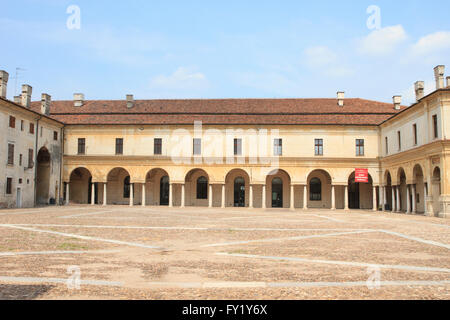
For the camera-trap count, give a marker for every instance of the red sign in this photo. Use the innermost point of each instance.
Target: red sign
(362, 175)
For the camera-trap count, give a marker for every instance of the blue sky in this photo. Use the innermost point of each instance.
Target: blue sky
(224, 49)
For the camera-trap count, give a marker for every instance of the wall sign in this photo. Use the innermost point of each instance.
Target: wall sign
(362, 175)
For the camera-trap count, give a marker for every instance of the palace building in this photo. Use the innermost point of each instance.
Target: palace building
(337, 154)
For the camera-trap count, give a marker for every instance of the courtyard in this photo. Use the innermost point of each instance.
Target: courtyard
(122, 252)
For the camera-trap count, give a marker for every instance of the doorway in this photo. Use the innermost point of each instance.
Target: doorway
(239, 192)
(277, 193)
(164, 189)
(353, 195)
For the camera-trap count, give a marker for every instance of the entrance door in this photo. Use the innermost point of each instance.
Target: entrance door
(353, 196)
(19, 198)
(164, 191)
(239, 192)
(277, 193)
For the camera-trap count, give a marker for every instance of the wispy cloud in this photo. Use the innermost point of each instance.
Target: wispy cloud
(182, 78)
(432, 43)
(383, 41)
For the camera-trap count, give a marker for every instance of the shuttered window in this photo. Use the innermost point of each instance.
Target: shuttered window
(10, 154)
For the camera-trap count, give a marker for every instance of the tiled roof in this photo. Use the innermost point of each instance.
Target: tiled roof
(224, 111)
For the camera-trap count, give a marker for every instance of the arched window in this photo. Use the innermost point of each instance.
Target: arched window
(202, 188)
(315, 189)
(126, 187)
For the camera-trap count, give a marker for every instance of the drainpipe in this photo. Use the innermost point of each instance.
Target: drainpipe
(35, 158)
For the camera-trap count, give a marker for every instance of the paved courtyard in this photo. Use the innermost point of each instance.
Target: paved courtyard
(120, 252)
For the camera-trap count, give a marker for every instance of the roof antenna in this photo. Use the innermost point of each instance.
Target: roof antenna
(18, 70)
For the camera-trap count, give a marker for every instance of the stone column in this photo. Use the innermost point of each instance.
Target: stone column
(250, 197)
(131, 194)
(305, 197)
(143, 195)
(67, 193)
(408, 203)
(375, 199)
(170, 195)
(183, 196)
(333, 197)
(223, 197)
(92, 194)
(210, 196)
(399, 204)
(104, 194)
(346, 197)
(384, 198)
(264, 196)
(425, 195)
(394, 202)
(292, 204)
(414, 201)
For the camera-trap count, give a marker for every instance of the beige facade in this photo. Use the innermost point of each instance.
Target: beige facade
(406, 156)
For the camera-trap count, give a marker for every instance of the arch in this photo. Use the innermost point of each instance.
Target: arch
(233, 197)
(191, 188)
(80, 186)
(118, 182)
(419, 188)
(157, 184)
(278, 196)
(43, 168)
(325, 183)
(402, 185)
(437, 189)
(360, 195)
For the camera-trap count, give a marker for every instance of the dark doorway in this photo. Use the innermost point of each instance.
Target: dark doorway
(353, 195)
(90, 191)
(239, 192)
(277, 193)
(164, 191)
(43, 176)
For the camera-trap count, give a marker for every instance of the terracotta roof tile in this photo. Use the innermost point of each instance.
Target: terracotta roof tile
(225, 111)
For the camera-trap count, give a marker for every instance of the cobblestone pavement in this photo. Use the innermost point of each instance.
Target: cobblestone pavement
(118, 252)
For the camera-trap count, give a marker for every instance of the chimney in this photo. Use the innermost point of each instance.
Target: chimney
(419, 87)
(46, 101)
(130, 101)
(17, 99)
(78, 99)
(340, 98)
(397, 102)
(439, 76)
(3, 83)
(26, 95)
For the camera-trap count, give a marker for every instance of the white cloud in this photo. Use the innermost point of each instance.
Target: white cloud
(182, 78)
(432, 43)
(383, 41)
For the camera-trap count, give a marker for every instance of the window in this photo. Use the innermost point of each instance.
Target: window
(399, 136)
(12, 122)
(30, 158)
(157, 146)
(386, 141)
(8, 185)
(202, 188)
(42, 131)
(415, 134)
(10, 154)
(20, 160)
(237, 147)
(435, 127)
(315, 189)
(81, 146)
(277, 147)
(119, 146)
(55, 135)
(197, 147)
(32, 128)
(359, 147)
(318, 146)
(21, 125)
(126, 187)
